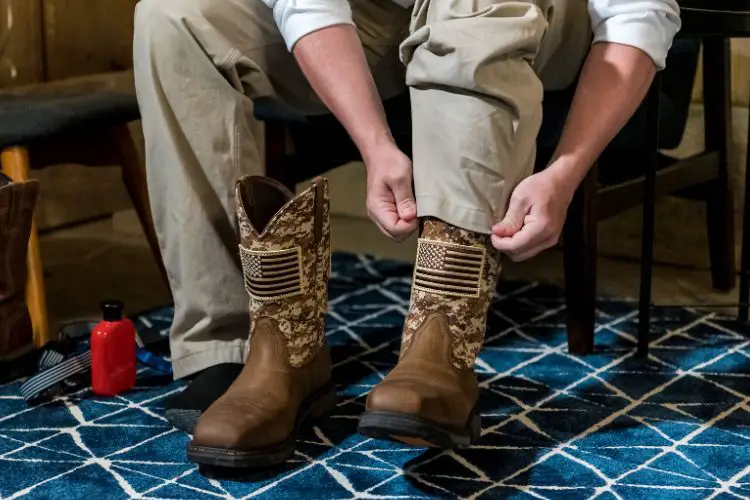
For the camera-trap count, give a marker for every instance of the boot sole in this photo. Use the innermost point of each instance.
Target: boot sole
(419, 432)
(183, 420)
(318, 404)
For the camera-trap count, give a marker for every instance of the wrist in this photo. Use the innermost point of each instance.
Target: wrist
(567, 172)
(375, 146)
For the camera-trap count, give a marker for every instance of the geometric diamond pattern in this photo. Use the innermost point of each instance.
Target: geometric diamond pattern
(607, 426)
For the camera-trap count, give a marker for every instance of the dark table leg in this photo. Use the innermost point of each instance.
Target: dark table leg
(717, 116)
(649, 209)
(579, 258)
(745, 251)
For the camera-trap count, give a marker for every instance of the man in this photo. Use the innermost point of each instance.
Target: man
(476, 70)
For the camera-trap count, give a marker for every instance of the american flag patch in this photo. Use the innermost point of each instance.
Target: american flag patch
(448, 269)
(272, 275)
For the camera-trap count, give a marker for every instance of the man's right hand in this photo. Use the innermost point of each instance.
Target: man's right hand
(334, 63)
(390, 196)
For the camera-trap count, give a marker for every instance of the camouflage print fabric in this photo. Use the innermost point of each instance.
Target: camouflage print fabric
(323, 269)
(455, 274)
(300, 316)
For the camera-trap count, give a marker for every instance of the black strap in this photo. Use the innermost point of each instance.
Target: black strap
(65, 364)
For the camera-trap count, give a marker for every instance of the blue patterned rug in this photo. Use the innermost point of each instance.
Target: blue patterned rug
(606, 426)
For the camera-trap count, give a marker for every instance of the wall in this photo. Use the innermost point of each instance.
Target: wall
(58, 39)
(740, 74)
(54, 39)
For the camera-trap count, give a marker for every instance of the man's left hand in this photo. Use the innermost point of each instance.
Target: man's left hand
(536, 214)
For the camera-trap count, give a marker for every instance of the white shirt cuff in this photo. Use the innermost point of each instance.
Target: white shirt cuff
(297, 18)
(650, 31)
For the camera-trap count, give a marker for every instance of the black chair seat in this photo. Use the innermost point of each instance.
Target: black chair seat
(308, 133)
(25, 120)
(724, 18)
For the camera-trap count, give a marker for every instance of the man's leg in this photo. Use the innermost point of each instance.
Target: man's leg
(476, 110)
(199, 140)
(199, 65)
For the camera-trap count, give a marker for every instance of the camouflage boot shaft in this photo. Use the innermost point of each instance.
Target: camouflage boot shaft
(455, 275)
(285, 253)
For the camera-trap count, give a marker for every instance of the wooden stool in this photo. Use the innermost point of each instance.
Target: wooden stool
(87, 129)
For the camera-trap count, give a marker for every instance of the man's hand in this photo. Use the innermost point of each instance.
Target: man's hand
(535, 216)
(334, 63)
(614, 80)
(390, 197)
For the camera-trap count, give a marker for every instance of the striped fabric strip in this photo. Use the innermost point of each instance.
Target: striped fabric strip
(49, 378)
(449, 269)
(272, 275)
(50, 358)
(65, 364)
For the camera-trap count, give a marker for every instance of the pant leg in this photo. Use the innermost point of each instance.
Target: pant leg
(473, 68)
(199, 66)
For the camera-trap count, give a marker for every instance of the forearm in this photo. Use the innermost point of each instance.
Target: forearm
(334, 63)
(613, 83)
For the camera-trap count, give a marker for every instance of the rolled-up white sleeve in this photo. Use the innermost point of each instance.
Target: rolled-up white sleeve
(297, 18)
(649, 25)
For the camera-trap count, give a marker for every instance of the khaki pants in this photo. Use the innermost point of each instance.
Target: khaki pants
(474, 69)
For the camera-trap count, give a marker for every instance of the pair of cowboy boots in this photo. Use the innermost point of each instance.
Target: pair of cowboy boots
(428, 399)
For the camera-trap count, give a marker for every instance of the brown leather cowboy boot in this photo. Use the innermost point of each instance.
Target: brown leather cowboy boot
(286, 254)
(16, 211)
(430, 397)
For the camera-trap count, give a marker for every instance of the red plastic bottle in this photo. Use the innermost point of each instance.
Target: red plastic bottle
(113, 351)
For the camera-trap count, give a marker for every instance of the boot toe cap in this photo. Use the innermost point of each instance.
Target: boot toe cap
(222, 433)
(225, 427)
(400, 398)
(415, 396)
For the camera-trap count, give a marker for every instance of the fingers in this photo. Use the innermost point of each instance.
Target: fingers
(403, 229)
(513, 221)
(404, 198)
(382, 229)
(398, 231)
(513, 246)
(519, 235)
(531, 240)
(392, 206)
(386, 217)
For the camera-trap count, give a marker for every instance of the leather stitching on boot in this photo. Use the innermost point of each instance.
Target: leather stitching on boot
(449, 269)
(274, 274)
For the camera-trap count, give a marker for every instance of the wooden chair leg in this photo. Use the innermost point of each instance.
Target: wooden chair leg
(718, 135)
(579, 260)
(15, 163)
(720, 226)
(134, 178)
